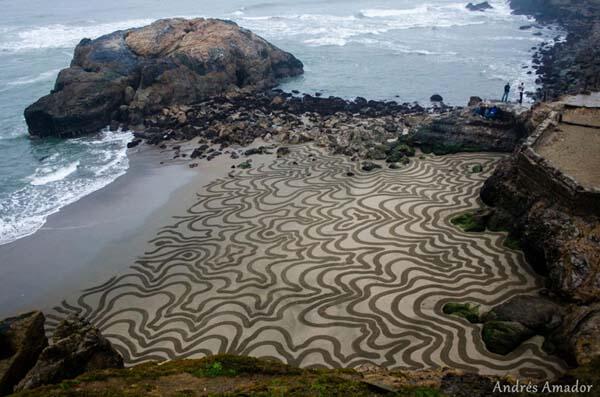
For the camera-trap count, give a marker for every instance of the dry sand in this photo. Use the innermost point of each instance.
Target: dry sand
(575, 150)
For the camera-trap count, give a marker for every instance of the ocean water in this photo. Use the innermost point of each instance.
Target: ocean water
(404, 50)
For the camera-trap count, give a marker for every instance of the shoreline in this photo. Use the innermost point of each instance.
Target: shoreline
(36, 262)
(132, 209)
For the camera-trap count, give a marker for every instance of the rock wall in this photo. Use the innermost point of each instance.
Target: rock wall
(556, 219)
(463, 131)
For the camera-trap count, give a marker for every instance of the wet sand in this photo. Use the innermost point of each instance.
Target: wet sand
(102, 234)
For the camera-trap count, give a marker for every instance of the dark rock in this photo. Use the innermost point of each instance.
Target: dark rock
(436, 98)
(369, 166)
(22, 339)
(134, 143)
(538, 314)
(578, 339)
(283, 151)
(199, 151)
(463, 131)
(502, 337)
(254, 151)
(479, 6)
(77, 347)
(474, 101)
(172, 61)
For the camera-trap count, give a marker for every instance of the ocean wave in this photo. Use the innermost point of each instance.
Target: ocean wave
(49, 75)
(47, 175)
(339, 30)
(55, 185)
(62, 36)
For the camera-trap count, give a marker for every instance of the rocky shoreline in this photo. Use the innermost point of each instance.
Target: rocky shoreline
(570, 66)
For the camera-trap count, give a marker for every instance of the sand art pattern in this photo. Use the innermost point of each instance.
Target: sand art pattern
(299, 261)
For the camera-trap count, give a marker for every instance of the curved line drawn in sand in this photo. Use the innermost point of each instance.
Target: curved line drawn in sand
(297, 261)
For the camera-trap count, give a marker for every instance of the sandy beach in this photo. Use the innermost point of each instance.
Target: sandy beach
(102, 234)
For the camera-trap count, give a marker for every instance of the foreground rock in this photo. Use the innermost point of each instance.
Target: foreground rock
(126, 74)
(22, 339)
(246, 376)
(76, 347)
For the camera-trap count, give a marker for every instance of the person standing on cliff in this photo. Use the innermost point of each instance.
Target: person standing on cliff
(521, 92)
(506, 92)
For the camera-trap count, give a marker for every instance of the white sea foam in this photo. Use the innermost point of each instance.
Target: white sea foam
(49, 75)
(47, 175)
(52, 186)
(62, 36)
(339, 30)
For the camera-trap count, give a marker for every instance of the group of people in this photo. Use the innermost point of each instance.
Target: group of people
(485, 110)
(521, 89)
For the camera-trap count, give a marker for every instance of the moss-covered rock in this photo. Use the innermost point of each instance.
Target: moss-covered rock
(225, 375)
(369, 166)
(245, 165)
(538, 314)
(399, 153)
(502, 337)
(465, 310)
(468, 222)
(476, 169)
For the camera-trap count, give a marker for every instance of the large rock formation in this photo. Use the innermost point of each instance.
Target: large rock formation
(538, 195)
(76, 347)
(126, 74)
(556, 219)
(22, 339)
(463, 131)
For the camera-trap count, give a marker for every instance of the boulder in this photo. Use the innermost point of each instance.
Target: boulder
(479, 6)
(171, 61)
(538, 314)
(77, 347)
(474, 101)
(578, 339)
(436, 98)
(22, 339)
(370, 166)
(502, 337)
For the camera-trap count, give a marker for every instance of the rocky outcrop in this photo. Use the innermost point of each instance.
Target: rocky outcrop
(463, 131)
(361, 128)
(479, 6)
(557, 223)
(578, 339)
(76, 347)
(127, 74)
(557, 243)
(22, 339)
(511, 323)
